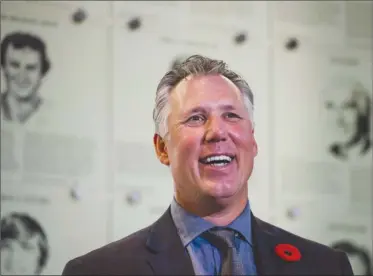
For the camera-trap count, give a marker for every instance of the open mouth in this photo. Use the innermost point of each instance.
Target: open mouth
(217, 160)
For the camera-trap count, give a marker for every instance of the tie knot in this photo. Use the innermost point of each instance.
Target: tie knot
(220, 237)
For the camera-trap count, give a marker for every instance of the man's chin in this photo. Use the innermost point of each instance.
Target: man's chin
(22, 94)
(220, 191)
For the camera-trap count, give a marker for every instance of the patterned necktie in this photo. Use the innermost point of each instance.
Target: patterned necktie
(223, 240)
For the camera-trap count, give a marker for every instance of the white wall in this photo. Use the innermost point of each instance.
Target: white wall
(93, 133)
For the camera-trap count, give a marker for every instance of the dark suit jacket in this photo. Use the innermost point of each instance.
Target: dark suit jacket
(157, 250)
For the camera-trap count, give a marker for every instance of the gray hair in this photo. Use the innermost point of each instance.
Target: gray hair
(194, 65)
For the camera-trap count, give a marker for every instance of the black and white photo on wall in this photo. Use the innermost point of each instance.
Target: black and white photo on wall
(353, 114)
(23, 245)
(25, 63)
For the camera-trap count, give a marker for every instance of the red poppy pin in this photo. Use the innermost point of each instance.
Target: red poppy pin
(288, 252)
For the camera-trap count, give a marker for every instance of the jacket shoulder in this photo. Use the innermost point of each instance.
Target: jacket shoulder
(315, 254)
(294, 238)
(122, 257)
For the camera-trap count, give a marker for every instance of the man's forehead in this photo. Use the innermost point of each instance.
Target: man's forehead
(217, 80)
(31, 238)
(24, 51)
(198, 86)
(344, 91)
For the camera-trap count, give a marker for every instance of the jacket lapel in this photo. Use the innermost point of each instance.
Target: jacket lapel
(265, 239)
(168, 255)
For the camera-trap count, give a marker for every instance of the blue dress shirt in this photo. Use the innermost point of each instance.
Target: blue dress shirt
(205, 257)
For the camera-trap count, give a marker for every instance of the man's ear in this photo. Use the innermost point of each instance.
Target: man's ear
(161, 149)
(255, 145)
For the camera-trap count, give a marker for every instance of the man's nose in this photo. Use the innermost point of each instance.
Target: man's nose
(215, 130)
(22, 76)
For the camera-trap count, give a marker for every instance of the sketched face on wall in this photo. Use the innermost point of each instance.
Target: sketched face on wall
(20, 257)
(23, 245)
(23, 72)
(351, 108)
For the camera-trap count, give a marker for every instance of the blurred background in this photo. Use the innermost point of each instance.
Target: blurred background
(78, 81)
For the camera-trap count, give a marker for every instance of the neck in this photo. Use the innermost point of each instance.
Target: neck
(20, 109)
(227, 215)
(220, 212)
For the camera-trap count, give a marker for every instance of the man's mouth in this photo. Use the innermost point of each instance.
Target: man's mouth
(217, 160)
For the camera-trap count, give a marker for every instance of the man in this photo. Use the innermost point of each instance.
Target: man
(23, 245)
(353, 117)
(25, 63)
(204, 133)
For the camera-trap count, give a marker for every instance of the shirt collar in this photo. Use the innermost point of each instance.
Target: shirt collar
(190, 226)
(6, 111)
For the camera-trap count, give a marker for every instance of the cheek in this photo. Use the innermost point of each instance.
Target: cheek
(349, 116)
(12, 72)
(33, 77)
(186, 146)
(244, 139)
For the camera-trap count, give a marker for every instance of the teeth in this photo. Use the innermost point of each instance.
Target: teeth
(219, 164)
(218, 158)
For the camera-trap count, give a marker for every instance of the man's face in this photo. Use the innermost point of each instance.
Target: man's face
(22, 71)
(346, 105)
(19, 257)
(208, 118)
(345, 117)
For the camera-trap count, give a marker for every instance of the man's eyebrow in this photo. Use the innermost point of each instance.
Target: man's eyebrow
(227, 107)
(197, 109)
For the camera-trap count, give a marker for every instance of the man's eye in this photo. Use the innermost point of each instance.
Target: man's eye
(231, 115)
(329, 105)
(31, 67)
(350, 104)
(14, 64)
(27, 246)
(5, 244)
(196, 119)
